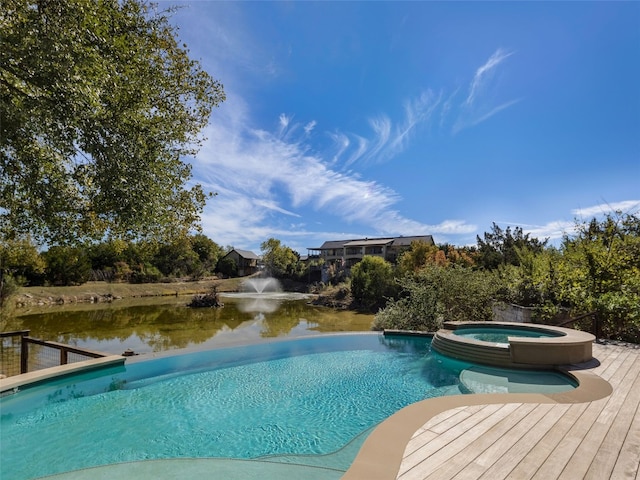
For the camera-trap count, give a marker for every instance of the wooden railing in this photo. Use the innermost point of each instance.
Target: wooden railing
(9, 358)
(595, 326)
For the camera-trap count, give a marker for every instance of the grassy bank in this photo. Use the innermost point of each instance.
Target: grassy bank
(92, 292)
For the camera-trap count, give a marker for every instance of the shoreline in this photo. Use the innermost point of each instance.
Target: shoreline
(105, 292)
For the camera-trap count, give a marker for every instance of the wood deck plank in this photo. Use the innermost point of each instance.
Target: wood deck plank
(549, 439)
(594, 440)
(568, 447)
(487, 449)
(628, 462)
(448, 444)
(436, 426)
(517, 448)
(615, 458)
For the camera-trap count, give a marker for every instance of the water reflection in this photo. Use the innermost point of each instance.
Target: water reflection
(159, 324)
(263, 302)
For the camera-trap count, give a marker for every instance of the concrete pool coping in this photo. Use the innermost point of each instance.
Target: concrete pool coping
(12, 383)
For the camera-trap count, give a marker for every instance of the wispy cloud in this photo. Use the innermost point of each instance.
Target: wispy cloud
(264, 178)
(381, 126)
(492, 112)
(553, 230)
(308, 128)
(389, 138)
(627, 206)
(417, 111)
(484, 74)
(556, 229)
(480, 103)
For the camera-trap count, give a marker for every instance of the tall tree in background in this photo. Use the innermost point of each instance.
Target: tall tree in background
(99, 104)
(500, 247)
(279, 260)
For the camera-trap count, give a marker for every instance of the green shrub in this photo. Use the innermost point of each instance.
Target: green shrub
(67, 265)
(8, 287)
(438, 293)
(372, 282)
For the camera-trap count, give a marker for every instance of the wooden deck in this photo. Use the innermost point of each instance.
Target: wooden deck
(593, 433)
(594, 440)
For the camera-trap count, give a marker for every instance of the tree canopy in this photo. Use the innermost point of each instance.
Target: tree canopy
(279, 260)
(500, 247)
(99, 105)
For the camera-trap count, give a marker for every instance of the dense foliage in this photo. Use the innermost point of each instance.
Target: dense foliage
(501, 247)
(279, 260)
(99, 104)
(19, 260)
(190, 257)
(436, 293)
(372, 282)
(600, 273)
(594, 276)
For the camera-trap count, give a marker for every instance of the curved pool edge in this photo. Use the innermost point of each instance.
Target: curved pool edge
(10, 384)
(179, 468)
(382, 452)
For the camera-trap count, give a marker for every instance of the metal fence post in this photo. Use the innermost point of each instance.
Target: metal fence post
(63, 356)
(24, 355)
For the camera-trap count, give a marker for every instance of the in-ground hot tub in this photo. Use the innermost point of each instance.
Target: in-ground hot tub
(513, 344)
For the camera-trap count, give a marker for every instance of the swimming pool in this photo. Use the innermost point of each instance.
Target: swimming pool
(306, 403)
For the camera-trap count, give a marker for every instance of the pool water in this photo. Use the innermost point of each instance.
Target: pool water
(309, 402)
(501, 335)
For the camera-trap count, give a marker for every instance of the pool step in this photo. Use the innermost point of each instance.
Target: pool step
(470, 350)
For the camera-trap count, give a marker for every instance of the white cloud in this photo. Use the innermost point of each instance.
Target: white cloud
(260, 176)
(417, 111)
(630, 206)
(553, 230)
(271, 205)
(492, 112)
(341, 142)
(557, 229)
(484, 73)
(284, 121)
(480, 104)
(381, 126)
(363, 145)
(308, 128)
(390, 138)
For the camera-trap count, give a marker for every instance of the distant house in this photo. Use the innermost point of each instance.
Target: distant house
(246, 261)
(349, 252)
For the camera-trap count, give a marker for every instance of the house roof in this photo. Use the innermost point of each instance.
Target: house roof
(245, 254)
(406, 241)
(360, 242)
(331, 244)
(368, 242)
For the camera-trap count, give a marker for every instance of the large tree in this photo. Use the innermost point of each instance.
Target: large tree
(100, 104)
(279, 260)
(501, 247)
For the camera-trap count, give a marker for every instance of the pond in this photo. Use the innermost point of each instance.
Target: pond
(157, 324)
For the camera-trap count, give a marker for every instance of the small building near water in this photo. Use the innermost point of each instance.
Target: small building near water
(246, 261)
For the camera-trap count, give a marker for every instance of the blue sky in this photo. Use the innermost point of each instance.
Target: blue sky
(372, 119)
